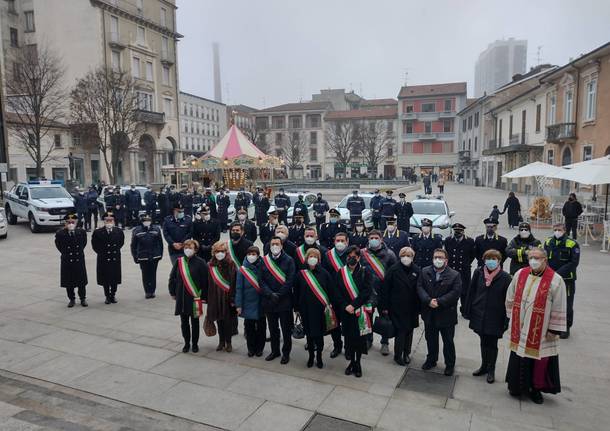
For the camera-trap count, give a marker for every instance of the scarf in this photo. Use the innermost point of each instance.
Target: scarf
(489, 276)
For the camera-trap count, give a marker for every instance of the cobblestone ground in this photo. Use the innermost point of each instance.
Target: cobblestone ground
(118, 367)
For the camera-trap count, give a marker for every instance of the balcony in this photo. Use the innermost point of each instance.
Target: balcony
(515, 139)
(413, 137)
(116, 41)
(493, 143)
(447, 114)
(409, 116)
(150, 117)
(167, 58)
(421, 116)
(464, 155)
(561, 132)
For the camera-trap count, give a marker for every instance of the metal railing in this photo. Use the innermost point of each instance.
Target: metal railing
(150, 117)
(561, 131)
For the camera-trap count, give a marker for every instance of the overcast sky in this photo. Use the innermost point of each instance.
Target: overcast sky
(279, 51)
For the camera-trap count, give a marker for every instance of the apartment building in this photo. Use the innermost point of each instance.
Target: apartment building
(470, 127)
(498, 63)
(203, 124)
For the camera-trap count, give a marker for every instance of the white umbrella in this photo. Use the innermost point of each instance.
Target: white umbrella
(592, 172)
(534, 169)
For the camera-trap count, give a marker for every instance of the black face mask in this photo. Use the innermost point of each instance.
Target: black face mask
(319, 198)
(352, 260)
(458, 233)
(490, 231)
(235, 236)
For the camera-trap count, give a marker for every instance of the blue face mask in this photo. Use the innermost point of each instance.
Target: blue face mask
(334, 220)
(491, 264)
(180, 215)
(374, 243)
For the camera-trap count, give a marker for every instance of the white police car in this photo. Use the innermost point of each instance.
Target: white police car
(41, 203)
(434, 208)
(3, 225)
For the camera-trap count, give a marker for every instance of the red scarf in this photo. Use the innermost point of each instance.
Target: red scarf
(489, 276)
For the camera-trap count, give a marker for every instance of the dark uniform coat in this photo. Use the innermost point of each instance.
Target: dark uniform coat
(563, 256)
(424, 247)
(359, 239)
(388, 207)
(397, 240)
(282, 203)
(376, 202)
(404, 212)
(73, 272)
(163, 202)
(320, 208)
(328, 232)
(107, 244)
(206, 233)
(261, 206)
(296, 234)
(461, 255)
(150, 199)
(446, 291)
(485, 306)
(177, 230)
(266, 232)
(199, 273)
(399, 296)
(241, 203)
(223, 202)
(484, 243)
(146, 243)
(355, 205)
(517, 249)
(300, 207)
(186, 200)
(249, 229)
(308, 305)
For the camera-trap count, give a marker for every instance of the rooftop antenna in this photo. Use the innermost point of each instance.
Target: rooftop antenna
(539, 55)
(406, 77)
(361, 95)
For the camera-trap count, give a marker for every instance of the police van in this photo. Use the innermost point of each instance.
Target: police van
(42, 203)
(434, 208)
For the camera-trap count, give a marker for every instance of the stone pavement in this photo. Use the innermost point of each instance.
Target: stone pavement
(111, 367)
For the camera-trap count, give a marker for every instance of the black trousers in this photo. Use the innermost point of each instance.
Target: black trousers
(570, 292)
(92, 213)
(282, 217)
(81, 218)
(353, 219)
(431, 333)
(225, 330)
(335, 334)
(132, 217)
(319, 222)
(571, 227)
(82, 292)
(376, 222)
(316, 343)
(465, 276)
(188, 325)
(488, 342)
(256, 333)
(285, 320)
(149, 275)
(403, 342)
(110, 290)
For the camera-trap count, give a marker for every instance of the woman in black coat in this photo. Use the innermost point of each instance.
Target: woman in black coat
(351, 307)
(485, 308)
(400, 301)
(311, 307)
(185, 302)
(513, 206)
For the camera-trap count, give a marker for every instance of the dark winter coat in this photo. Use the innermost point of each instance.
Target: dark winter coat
(424, 247)
(571, 209)
(364, 280)
(485, 306)
(133, 200)
(73, 271)
(221, 304)
(80, 203)
(328, 232)
(246, 296)
(282, 202)
(355, 206)
(249, 230)
(513, 206)
(288, 246)
(387, 259)
(359, 239)
(241, 249)
(222, 203)
(446, 291)
(517, 249)
(296, 234)
(91, 197)
(404, 212)
(146, 243)
(261, 206)
(108, 246)
(308, 305)
(199, 273)
(399, 296)
(206, 233)
(266, 232)
(461, 253)
(176, 230)
(397, 240)
(277, 297)
(482, 243)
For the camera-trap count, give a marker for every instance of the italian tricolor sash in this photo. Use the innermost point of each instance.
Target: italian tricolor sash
(362, 313)
(375, 264)
(190, 286)
(301, 253)
(251, 277)
(334, 259)
(330, 318)
(532, 345)
(233, 255)
(219, 279)
(275, 270)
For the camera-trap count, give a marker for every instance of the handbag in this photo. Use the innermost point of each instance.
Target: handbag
(298, 332)
(209, 328)
(384, 326)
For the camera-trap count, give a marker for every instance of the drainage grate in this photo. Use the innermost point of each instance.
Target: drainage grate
(326, 423)
(428, 382)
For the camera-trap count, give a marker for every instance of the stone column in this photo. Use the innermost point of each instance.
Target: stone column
(158, 161)
(133, 166)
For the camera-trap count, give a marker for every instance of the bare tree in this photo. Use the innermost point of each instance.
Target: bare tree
(341, 137)
(36, 96)
(105, 108)
(294, 151)
(374, 140)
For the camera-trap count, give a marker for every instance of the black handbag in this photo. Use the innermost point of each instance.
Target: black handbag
(383, 326)
(298, 332)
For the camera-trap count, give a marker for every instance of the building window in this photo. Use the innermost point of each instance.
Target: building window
(167, 107)
(476, 119)
(510, 126)
(447, 147)
(57, 141)
(145, 101)
(164, 47)
(163, 19)
(114, 28)
(587, 153)
(186, 127)
(469, 142)
(408, 126)
(475, 143)
(149, 71)
(75, 140)
(408, 108)
(447, 125)
(500, 133)
(262, 123)
(428, 107)
(552, 107)
(428, 126)
(166, 76)
(115, 58)
(185, 109)
(277, 122)
(135, 67)
(470, 122)
(313, 139)
(11, 6)
(567, 110)
(296, 122)
(29, 21)
(590, 100)
(523, 124)
(141, 35)
(313, 121)
(14, 37)
(464, 144)
(313, 154)
(278, 139)
(464, 125)
(448, 105)
(538, 115)
(550, 157)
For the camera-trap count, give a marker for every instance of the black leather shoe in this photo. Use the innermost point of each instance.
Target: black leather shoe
(428, 365)
(271, 356)
(350, 369)
(319, 363)
(309, 362)
(400, 361)
(186, 348)
(407, 359)
(259, 354)
(536, 396)
(336, 352)
(107, 301)
(285, 360)
(480, 371)
(357, 370)
(83, 302)
(71, 303)
(448, 371)
(250, 354)
(491, 376)
(195, 348)
(113, 299)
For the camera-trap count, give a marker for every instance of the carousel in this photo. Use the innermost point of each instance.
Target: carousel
(234, 162)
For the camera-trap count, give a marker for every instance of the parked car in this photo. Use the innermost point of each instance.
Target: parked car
(232, 197)
(3, 225)
(309, 199)
(367, 214)
(434, 208)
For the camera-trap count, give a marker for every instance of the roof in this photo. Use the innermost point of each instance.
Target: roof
(541, 69)
(233, 145)
(299, 106)
(470, 103)
(201, 98)
(432, 90)
(517, 97)
(242, 108)
(577, 62)
(364, 113)
(12, 118)
(378, 102)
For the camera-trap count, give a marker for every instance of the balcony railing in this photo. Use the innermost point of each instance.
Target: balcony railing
(493, 143)
(150, 117)
(116, 41)
(427, 136)
(514, 139)
(560, 132)
(167, 57)
(447, 114)
(464, 155)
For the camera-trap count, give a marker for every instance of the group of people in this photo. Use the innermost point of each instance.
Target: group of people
(337, 281)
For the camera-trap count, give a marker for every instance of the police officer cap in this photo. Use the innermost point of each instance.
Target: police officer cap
(242, 211)
(204, 209)
(426, 222)
(333, 211)
(274, 213)
(146, 217)
(108, 214)
(359, 222)
(389, 191)
(391, 220)
(376, 191)
(355, 191)
(69, 217)
(525, 225)
(297, 212)
(401, 195)
(490, 220)
(177, 206)
(458, 226)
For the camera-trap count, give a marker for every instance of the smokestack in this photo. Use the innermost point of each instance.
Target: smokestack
(217, 83)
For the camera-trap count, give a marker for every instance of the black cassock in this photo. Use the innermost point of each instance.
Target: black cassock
(71, 245)
(107, 244)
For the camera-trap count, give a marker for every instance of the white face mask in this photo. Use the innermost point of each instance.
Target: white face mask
(198, 216)
(273, 221)
(340, 246)
(439, 263)
(189, 252)
(310, 240)
(426, 229)
(558, 234)
(524, 234)
(252, 258)
(276, 250)
(220, 255)
(109, 225)
(71, 226)
(391, 228)
(241, 217)
(206, 217)
(535, 263)
(146, 223)
(312, 261)
(359, 228)
(281, 235)
(406, 260)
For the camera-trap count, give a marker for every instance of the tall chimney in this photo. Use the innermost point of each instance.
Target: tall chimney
(217, 83)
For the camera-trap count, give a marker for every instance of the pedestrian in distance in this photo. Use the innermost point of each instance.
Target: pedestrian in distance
(513, 207)
(495, 214)
(107, 242)
(571, 210)
(147, 251)
(71, 242)
(441, 184)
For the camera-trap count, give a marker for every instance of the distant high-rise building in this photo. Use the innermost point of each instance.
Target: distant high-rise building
(498, 64)
(217, 83)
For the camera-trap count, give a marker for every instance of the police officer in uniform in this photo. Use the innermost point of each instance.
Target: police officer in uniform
(282, 203)
(107, 242)
(71, 242)
(163, 203)
(80, 205)
(330, 229)
(490, 239)
(320, 208)
(355, 205)
(388, 209)
(301, 205)
(404, 212)
(241, 203)
(358, 235)
(563, 257)
(186, 200)
(296, 232)
(206, 231)
(197, 199)
(177, 228)
(210, 202)
(115, 203)
(460, 249)
(247, 225)
(376, 202)
(147, 251)
(222, 203)
(150, 202)
(133, 202)
(92, 207)
(425, 243)
(261, 206)
(267, 231)
(394, 237)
